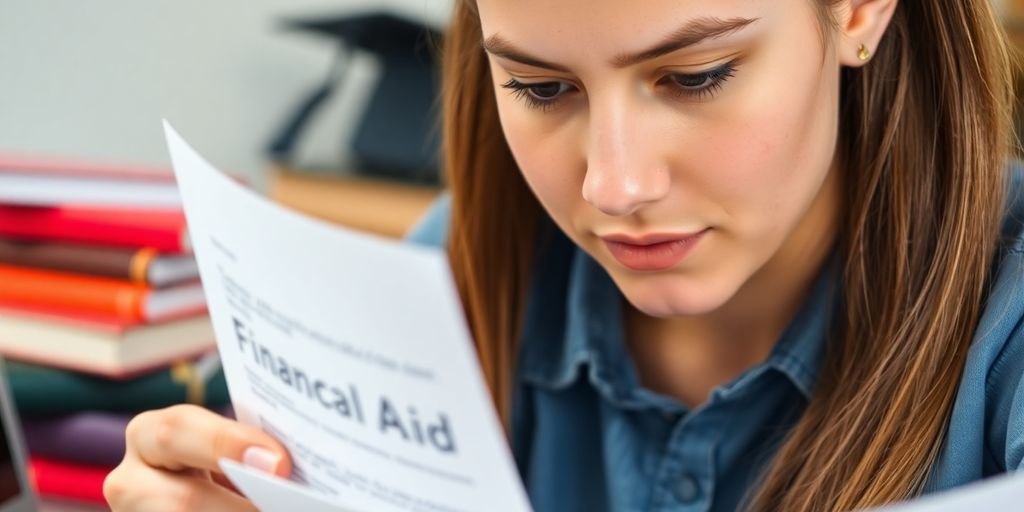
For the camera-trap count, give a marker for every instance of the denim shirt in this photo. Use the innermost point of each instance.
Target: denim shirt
(587, 436)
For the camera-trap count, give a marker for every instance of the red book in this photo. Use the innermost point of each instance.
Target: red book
(68, 480)
(163, 230)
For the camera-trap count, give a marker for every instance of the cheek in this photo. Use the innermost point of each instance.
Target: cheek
(544, 154)
(772, 151)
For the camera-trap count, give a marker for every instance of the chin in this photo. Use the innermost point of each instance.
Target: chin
(673, 296)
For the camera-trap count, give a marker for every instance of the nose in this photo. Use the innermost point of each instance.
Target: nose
(624, 170)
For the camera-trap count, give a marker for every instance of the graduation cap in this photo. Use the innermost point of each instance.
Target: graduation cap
(397, 135)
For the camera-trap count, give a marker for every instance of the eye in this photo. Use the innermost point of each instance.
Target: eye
(546, 91)
(692, 81)
(541, 96)
(699, 85)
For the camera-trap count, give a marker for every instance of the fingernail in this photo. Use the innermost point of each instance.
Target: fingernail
(261, 458)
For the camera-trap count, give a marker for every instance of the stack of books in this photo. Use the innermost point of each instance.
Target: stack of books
(74, 423)
(101, 312)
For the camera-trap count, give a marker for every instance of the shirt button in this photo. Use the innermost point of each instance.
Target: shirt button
(687, 489)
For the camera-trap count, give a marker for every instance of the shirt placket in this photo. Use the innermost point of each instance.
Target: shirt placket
(685, 480)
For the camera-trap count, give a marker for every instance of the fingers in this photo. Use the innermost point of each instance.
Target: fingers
(136, 487)
(187, 436)
(223, 481)
(171, 461)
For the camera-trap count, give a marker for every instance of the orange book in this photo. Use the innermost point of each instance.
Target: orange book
(132, 302)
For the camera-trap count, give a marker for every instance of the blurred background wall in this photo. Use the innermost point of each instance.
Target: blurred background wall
(93, 79)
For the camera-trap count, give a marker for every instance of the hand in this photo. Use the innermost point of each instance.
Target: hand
(170, 461)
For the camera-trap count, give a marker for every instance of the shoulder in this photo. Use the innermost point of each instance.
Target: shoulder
(1012, 240)
(432, 228)
(986, 430)
(999, 341)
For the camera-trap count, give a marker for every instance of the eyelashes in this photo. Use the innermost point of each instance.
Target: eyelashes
(544, 96)
(702, 85)
(541, 96)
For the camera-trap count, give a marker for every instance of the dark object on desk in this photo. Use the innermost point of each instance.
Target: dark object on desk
(398, 136)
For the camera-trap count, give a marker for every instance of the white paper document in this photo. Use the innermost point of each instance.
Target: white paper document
(349, 349)
(353, 351)
(1003, 493)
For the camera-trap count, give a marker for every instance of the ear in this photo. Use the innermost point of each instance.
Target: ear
(861, 22)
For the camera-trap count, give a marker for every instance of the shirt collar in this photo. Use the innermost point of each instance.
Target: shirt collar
(800, 351)
(574, 321)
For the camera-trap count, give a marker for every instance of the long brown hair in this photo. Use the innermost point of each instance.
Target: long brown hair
(925, 133)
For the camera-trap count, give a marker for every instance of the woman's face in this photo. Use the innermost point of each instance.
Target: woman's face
(685, 145)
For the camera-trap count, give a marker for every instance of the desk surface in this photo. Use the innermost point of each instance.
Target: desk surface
(380, 206)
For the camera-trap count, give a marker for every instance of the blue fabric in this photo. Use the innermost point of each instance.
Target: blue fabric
(588, 437)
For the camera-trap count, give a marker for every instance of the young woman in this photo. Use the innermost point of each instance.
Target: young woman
(716, 255)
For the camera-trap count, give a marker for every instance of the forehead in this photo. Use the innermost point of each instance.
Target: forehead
(590, 22)
(585, 36)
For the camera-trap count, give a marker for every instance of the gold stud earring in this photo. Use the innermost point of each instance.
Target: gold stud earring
(863, 53)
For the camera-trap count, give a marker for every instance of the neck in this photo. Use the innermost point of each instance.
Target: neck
(687, 357)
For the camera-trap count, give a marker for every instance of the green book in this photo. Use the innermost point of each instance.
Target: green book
(45, 391)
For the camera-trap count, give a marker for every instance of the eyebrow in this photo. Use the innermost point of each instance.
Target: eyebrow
(690, 34)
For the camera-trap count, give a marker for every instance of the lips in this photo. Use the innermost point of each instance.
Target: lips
(652, 252)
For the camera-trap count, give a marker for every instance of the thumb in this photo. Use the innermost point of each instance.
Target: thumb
(188, 436)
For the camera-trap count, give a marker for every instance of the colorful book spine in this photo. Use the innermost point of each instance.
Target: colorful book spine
(62, 290)
(163, 230)
(100, 344)
(78, 293)
(135, 265)
(68, 480)
(92, 438)
(45, 391)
